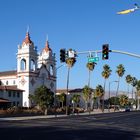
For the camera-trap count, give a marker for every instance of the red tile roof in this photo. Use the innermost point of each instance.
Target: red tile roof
(61, 90)
(13, 88)
(27, 39)
(8, 73)
(47, 48)
(4, 100)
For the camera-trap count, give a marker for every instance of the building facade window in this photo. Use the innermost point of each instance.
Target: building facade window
(14, 94)
(32, 66)
(14, 103)
(51, 70)
(9, 93)
(14, 82)
(18, 94)
(6, 82)
(23, 64)
(17, 103)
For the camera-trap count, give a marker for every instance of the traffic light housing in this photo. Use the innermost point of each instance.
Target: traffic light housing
(62, 55)
(105, 52)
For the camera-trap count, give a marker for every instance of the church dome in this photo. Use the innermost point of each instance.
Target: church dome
(27, 39)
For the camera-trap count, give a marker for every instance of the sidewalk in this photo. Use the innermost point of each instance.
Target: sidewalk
(51, 116)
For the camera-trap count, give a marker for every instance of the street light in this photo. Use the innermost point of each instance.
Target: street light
(109, 94)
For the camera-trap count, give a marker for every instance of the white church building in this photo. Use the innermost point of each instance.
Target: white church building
(33, 70)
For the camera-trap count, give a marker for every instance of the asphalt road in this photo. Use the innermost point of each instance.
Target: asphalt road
(110, 126)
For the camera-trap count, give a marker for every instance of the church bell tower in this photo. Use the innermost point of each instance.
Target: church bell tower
(26, 66)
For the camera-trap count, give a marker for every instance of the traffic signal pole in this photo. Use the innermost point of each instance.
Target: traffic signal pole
(127, 53)
(114, 51)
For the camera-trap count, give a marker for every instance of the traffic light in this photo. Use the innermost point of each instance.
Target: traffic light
(105, 52)
(62, 55)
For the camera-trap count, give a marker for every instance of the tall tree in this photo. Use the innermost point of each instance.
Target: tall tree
(106, 73)
(90, 66)
(133, 83)
(75, 100)
(138, 93)
(70, 63)
(99, 92)
(120, 71)
(61, 98)
(86, 95)
(123, 100)
(44, 98)
(128, 80)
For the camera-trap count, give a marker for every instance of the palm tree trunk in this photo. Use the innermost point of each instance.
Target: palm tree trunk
(89, 103)
(138, 102)
(89, 79)
(62, 104)
(86, 105)
(46, 111)
(132, 92)
(117, 93)
(103, 96)
(128, 89)
(118, 87)
(99, 105)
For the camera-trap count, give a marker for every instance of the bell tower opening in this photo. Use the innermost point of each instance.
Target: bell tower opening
(23, 65)
(32, 66)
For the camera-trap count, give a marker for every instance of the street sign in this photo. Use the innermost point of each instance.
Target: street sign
(93, 59)
(71, 54)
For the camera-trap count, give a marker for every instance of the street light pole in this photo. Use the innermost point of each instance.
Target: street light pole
(67, 91)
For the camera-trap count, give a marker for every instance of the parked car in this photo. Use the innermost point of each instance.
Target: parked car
(127, 109)
(122, 109)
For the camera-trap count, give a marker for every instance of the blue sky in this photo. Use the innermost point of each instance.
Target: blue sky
(79, 24)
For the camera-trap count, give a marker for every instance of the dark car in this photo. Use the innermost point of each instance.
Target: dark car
(127, 109)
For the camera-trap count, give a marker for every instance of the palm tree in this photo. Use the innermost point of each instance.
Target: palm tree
(123, 100)
(99, 92)
(75, 99)
(128, 80)
(133, 83)
(86, 95)
(70, 62)
(90, 66)
(61, 98)
(138, 93)
(120, 71)
(106, 73)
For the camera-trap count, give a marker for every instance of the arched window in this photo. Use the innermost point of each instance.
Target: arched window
(51, 70)
(23, 64)
(14, 82)
(6, 82)
(32, 66)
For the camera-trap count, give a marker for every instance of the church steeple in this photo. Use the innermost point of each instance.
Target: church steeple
(26, 67)
(46, 55)
(47, 48)
(27, 39)
(27, 55)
